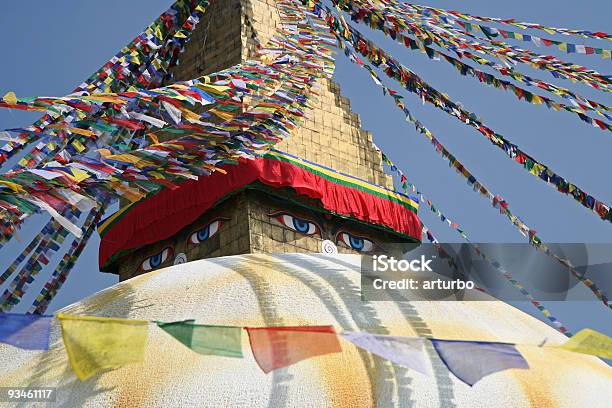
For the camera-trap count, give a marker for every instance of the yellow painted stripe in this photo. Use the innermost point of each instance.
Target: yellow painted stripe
(102, 228)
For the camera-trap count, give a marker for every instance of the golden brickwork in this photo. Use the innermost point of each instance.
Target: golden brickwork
(216, 43)
(331, 134)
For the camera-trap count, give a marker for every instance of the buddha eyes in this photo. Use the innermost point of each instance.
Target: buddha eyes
(296, 224)
(307, 227)
(199, 236)
(205, 233)
(354, 242)
(156, 260)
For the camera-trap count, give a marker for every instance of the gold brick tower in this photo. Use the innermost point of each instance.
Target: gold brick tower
(331, 135)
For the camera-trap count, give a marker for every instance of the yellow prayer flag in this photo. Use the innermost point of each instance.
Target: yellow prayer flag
(97, 343)
(189, 115)
(76, 175)
(178, 86)
(78, 146)
(537, 169)
(175, 96)
(13, 186)
(606, 54)
(125, 157)
(104, 152)
(213, 168)
(218, 89)
(10, 98)
(106, 98)
(130, 194)
(222, 114)
(588, 341)
(157, 175)
(158, 33)
(84, 132)
(154, 138)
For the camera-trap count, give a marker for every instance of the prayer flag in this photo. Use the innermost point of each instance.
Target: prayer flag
(10, 98)
(277, 347)
(30, 332)
(405, 351)
(97, 343)
(205, 339)
(588, 341)
(470, 361)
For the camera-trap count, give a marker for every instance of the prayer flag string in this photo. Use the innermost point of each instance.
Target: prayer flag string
(496, 200)
(95, 343)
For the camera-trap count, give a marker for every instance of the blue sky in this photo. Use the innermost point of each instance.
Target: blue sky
(50, 47)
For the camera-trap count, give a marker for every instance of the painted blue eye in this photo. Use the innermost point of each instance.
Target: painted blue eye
(354, 242)
(301, 225)
(297, 224)
(205, 233)
(156, 260)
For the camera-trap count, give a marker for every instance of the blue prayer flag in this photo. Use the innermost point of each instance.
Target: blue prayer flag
(470, 361)
(30, 332)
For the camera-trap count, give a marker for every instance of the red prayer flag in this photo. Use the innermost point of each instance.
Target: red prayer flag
(277, 347)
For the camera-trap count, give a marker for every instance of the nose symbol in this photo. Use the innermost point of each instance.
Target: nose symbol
(328, 247)
(181, 258)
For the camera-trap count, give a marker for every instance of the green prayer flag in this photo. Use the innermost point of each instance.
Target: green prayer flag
(204, 339)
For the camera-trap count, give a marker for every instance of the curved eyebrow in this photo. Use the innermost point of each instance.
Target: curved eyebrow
(340, 231)
(159, 252)
(193, 231)
(276, 213)
(171, 247)
(375, 244)
(208, 223)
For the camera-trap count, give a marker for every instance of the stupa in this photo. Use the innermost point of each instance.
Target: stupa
(277, 241)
